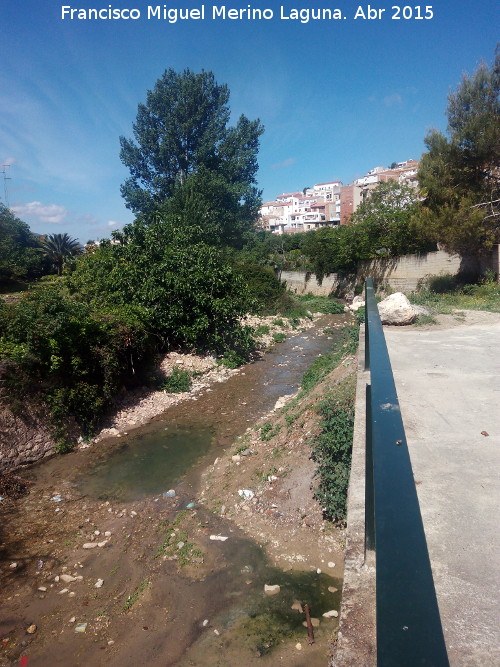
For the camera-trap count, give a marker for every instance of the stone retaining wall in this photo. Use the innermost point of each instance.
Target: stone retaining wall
(401, 273)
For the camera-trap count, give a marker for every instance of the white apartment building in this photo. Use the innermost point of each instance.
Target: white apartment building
(303, 211)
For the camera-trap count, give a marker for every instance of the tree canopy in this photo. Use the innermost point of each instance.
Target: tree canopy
(183, 138)
(384, 225)
(19, 255)
(460, 173)
(59, 248)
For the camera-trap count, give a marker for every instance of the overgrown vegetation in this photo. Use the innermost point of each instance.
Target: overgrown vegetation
(347, 345)
(332, 448)
(177, 382)
(446, 294)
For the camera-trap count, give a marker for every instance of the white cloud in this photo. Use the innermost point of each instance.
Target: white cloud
(46, 213)
(112, 223)
(286, 163)
(392, 100)
(8, 162)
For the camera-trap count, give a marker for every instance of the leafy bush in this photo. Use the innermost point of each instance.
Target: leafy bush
(74, 357)
(177, 382)
(279, 337)
(332, 450)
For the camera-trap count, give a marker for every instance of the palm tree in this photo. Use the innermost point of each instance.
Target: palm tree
(59, 247)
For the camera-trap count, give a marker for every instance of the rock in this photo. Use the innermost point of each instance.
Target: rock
(107, 533)
(64, 590)
(13, 566)
(318, 571)
(31, 629)
(169, 494)
(331, 564)
(42, 588)
(314, 623)
(246, 494)
(297, 606)
(56, 578)
(298, 647)
(205, 623)
(357, 303)
(332, 589)
(67, 578)
(89, 545)
(218, 538)
(99, 583)
(71, 594)
(236, 458)
(102, 544)
(72, 619)
(331, 614)
(396, 309)
(271, 589)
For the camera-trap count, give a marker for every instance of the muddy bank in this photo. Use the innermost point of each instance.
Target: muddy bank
(170, 594)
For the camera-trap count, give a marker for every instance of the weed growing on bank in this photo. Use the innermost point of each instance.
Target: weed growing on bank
(332, 448)
(444, 294)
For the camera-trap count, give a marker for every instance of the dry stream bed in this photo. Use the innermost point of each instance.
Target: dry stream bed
(101, 565)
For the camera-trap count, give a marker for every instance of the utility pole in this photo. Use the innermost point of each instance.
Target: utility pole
(5, 179)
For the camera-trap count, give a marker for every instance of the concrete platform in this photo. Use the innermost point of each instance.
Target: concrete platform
(448, 384)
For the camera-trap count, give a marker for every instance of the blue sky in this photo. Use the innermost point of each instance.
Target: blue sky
(336, 97)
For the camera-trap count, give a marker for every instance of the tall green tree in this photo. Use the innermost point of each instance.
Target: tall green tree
(460, 173)
(19, 258)
(59, 248)
(182, 138)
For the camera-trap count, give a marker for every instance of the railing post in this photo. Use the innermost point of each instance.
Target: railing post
(409, 631)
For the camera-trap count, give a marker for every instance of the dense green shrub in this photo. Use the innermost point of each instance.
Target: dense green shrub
(332, 450)
(177, 382)
(73, 356)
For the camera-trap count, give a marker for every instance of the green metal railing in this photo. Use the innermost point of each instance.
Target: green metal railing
(409, 631)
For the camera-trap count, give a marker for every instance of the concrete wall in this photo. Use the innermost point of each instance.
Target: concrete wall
(356, 637)
(401, 273)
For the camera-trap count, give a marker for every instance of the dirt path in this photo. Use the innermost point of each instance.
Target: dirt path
(144, 581)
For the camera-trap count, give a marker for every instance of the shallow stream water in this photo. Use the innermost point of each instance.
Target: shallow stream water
(170, 453)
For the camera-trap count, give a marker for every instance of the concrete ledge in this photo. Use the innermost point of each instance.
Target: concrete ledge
(356, 641)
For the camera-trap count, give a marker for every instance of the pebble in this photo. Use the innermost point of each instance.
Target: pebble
(72, 619)
(64, 590)
(205, 623)
(107, 533)
(297, 606)
(56, 578)
(218, 538)
(99, 583)
(314, 623)
(298, 646)
(67, 578)
(42, 588)
(133, 513)
(110, 642)
(31, 629)
(332, 589)
(216, 632)
(13, 566)
(71, 594)
(318, 571)
(89, 545)
(331, 564)
(102, 544)
(271, 589)
(331, 614)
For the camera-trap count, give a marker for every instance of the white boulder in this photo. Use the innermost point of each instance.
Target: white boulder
(396, 309)
(357, 303)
